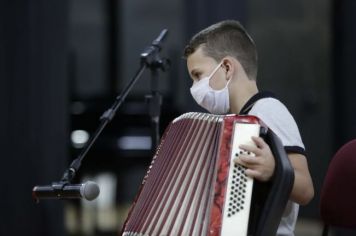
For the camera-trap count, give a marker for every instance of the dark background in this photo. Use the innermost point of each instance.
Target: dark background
(62, 63)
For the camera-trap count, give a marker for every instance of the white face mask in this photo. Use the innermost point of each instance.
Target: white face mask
(215, 101)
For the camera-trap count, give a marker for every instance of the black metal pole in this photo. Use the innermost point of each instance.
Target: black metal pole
(107, 116)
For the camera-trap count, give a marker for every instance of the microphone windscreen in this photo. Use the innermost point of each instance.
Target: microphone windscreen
(90, 190)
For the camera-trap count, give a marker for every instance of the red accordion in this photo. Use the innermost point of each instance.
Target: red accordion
(193, 187)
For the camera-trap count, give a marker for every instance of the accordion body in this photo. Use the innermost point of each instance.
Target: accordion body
(193, 186)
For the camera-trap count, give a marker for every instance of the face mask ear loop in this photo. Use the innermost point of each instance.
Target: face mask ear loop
(228, 82)
(214, 71)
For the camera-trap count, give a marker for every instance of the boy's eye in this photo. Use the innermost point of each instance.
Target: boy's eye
(196, 76)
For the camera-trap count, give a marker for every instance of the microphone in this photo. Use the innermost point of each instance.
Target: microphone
(158, 41)
(88, 190)
(155, 46)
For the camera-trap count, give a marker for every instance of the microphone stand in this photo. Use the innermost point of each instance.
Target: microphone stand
(150, 58)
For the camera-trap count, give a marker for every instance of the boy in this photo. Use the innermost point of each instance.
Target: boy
(222, 62)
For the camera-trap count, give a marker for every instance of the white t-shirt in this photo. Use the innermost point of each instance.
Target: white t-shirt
(277, 117)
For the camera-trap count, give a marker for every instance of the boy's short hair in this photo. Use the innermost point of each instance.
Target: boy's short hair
(226, 38)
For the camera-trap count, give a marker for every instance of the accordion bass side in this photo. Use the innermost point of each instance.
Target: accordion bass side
(193, 187)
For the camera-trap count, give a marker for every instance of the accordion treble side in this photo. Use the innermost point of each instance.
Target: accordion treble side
(193, 187)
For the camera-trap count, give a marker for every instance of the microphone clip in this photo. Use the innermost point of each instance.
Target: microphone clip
(59, 186)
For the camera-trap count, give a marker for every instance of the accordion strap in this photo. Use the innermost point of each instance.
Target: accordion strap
(251, 102)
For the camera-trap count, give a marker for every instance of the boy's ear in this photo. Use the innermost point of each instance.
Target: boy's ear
(228, 67)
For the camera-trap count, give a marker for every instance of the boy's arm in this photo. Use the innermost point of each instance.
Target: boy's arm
(303, 190)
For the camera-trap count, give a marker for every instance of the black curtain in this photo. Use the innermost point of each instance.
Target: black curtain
(34, 119)
(202, 13)
(344, 71)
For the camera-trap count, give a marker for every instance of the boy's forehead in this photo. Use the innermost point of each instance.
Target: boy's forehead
(197, 55)
(197, 59)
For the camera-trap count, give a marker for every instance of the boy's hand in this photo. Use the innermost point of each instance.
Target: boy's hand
(261, 166)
